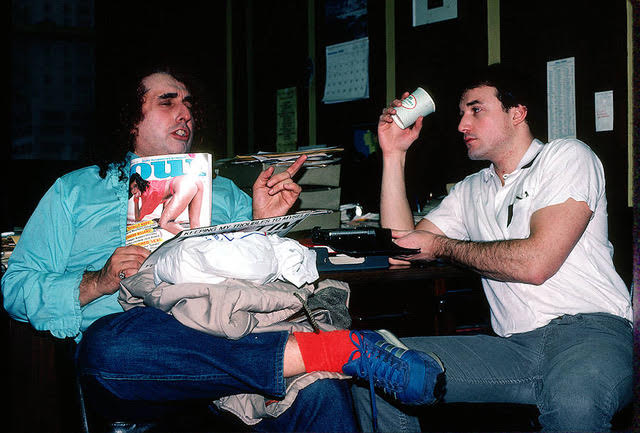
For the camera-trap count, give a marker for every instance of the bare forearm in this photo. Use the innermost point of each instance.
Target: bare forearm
(510, 260)
(124, 262)
(554, 231)
(89, 287)
(395, 211)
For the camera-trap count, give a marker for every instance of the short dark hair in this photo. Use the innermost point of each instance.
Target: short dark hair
(508, 81)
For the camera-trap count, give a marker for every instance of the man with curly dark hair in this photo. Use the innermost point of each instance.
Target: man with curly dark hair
(66, 271)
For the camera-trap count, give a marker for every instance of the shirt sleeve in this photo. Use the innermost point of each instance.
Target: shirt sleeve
(37, 286)
(571, 170)
(448, 215)
(230, 204)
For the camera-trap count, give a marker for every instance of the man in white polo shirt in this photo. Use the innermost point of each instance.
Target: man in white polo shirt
(534, 226)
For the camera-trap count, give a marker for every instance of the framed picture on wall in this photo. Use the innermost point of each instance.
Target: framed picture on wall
(432, 11)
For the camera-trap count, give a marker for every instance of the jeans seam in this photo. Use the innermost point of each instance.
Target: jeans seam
(541, 356)
(498, 381)
(280, 383)
(403, 422)
(613, 392)
(164, 378)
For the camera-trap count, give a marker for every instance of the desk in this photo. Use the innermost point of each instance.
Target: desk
(427, 299)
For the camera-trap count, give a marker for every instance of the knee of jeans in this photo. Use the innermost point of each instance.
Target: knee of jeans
(325, 405)
(94, 353)
(583, 396)
(104, 344)
(326, 391)
(326, 396)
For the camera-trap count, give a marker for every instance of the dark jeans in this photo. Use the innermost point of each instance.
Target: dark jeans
(146, 355)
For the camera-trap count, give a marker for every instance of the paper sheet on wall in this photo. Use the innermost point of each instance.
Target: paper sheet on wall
(347, 71)
(561, 98)
(604, 110)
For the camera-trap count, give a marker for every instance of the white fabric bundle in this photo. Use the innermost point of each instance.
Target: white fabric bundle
(252, 256)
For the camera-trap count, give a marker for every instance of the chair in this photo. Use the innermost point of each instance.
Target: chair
(102, 412)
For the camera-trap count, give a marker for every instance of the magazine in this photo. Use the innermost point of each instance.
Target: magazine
(275, 225)
(167, 194)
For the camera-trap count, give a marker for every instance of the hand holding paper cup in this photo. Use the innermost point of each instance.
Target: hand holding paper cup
(417, 104)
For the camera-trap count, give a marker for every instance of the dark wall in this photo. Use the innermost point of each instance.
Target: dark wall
(435, 56)
(132, 36)
(596, 37)
(276, 33)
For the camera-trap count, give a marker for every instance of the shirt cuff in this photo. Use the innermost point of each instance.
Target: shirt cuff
(68, 315)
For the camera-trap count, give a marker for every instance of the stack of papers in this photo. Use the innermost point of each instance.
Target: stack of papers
(315, 156)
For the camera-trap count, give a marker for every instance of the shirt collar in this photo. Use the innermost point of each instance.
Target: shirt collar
(114, 173)
(529, 156)
(130, 156)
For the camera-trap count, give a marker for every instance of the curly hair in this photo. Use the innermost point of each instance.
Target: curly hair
(130, 96)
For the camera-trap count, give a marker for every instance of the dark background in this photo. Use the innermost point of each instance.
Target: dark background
(132, 33)
(436, 56)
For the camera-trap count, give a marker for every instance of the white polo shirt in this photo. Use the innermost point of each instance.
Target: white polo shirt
(479, 208)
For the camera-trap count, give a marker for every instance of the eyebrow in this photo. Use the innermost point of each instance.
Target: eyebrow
(168, 96)
(470, 104)
(173, 95)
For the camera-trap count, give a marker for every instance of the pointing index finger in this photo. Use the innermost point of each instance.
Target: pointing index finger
(293, 168)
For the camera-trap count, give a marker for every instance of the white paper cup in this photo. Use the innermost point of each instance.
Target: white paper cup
(419, 103)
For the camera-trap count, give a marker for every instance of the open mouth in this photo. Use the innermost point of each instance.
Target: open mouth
(181, 133)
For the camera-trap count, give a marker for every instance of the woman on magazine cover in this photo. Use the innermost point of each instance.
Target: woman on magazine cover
(175, 194)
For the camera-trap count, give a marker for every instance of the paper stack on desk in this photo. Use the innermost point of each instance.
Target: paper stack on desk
(315, 156)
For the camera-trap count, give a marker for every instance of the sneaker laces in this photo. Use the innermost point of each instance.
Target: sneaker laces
(385, 374)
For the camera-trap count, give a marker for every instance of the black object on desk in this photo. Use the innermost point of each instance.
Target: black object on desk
(360, 242)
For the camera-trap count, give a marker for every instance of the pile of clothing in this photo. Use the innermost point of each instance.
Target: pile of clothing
(233, 284)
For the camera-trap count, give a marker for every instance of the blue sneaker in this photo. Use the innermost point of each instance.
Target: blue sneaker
(409, 376)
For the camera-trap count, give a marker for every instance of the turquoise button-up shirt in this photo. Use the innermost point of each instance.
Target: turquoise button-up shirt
(75, 228)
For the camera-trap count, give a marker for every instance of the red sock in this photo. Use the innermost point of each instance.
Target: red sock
(326, 351)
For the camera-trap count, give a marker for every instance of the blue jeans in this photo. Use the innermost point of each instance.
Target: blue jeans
(146, 355)
(577, 370)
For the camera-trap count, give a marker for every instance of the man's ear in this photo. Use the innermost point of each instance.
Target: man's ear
(519, 114)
